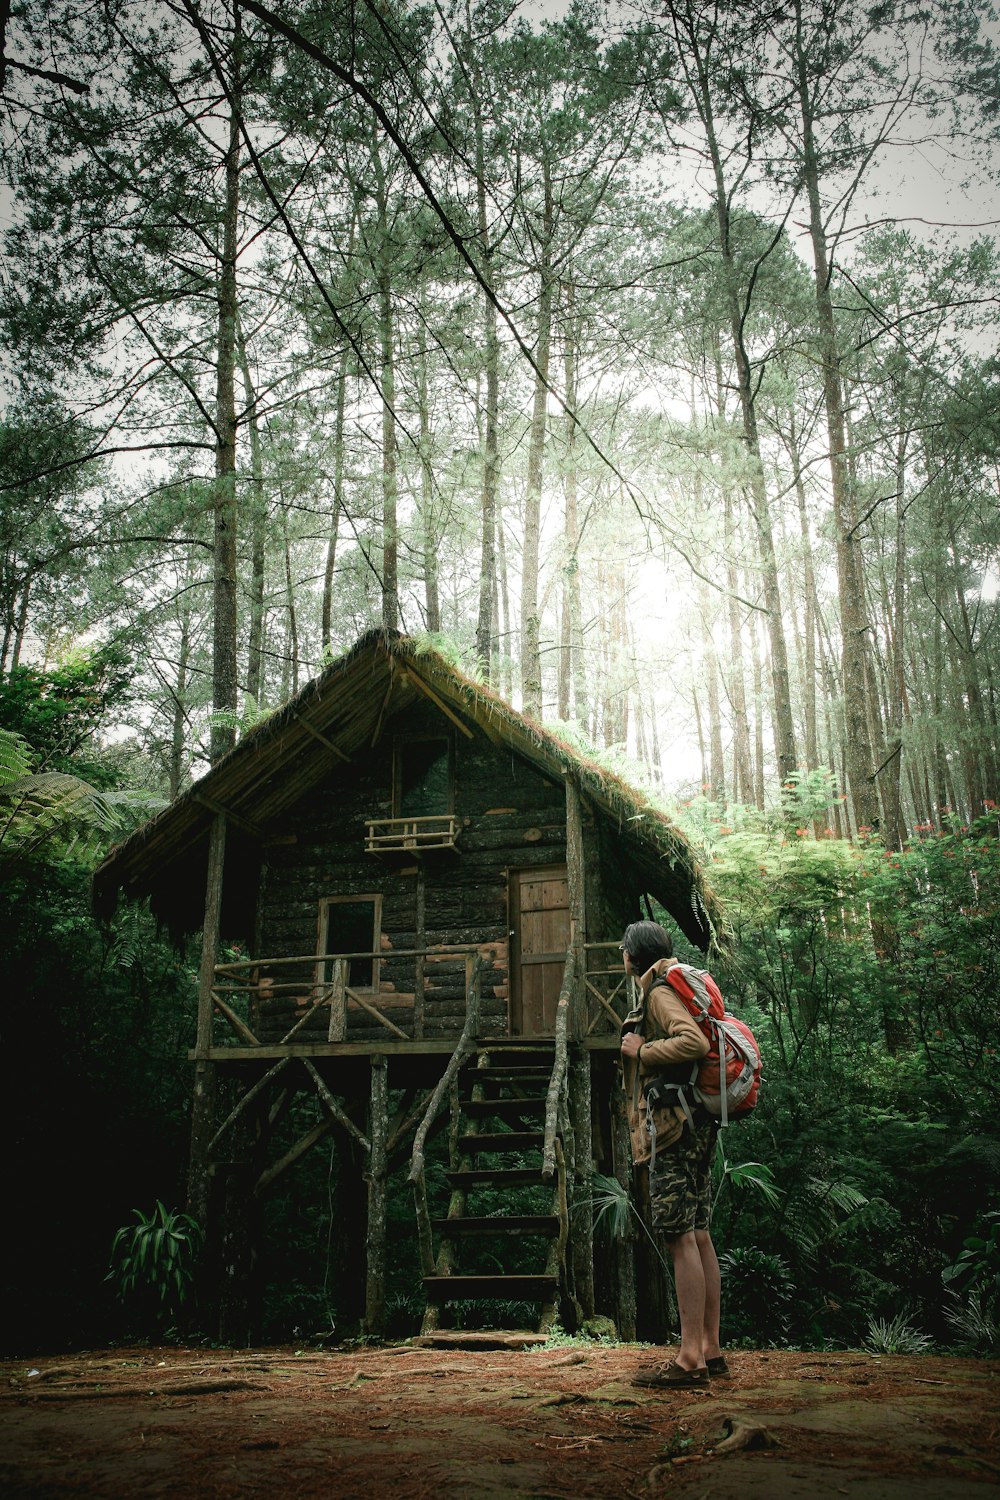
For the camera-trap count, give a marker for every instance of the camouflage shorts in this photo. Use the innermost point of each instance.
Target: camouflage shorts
(680, 1184)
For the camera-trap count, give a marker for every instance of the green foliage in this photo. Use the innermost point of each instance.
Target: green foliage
(153, 1263)
(759, 1291)
(15, 757)
(978, 1265)
(973, 1323)
(896, 1335)
(57, 710)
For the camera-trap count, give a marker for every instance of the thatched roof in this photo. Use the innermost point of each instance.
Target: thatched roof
(336, 717)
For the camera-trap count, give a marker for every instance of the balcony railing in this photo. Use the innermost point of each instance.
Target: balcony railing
(406, 995)
(386, 835)
(310, 998)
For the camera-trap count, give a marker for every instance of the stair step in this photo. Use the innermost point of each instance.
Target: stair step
(504, 1079)
(512, 1176)
(505, 1288)
(507, 1140)
(547, 1224)
(503, 1109)
(514, 1044)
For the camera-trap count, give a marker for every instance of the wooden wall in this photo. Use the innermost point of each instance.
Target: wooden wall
(510, 816)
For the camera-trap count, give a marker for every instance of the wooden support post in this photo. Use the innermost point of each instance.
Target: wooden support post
(577, 902)
(337, 1031)
(203, 1105)
(420, 944)
(582, 1205)
(378, 1131)
(623, 1250)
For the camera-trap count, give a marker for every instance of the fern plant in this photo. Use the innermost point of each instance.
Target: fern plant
(15, 757)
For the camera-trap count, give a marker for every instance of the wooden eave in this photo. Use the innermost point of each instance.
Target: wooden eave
(340, 714)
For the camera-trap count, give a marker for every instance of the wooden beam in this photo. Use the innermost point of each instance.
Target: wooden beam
(376, 1014)
(377, 1198)
(242, 1030)
(199, 1183)
(339, 1114)
(302, 1145)
(243, 824)
(418, 682)
(247, 1099)
(210, 932)
(613, 1015)
(581, 1202)
(318, 734)
(575, 866)
(377, 731)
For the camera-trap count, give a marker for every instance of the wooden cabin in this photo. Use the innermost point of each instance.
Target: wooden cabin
(411, 899)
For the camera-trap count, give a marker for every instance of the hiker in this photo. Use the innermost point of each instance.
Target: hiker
(675, 1152)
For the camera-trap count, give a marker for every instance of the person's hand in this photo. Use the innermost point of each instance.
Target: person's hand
(631, 1044)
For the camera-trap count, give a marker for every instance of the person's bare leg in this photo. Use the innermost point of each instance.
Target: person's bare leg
(713, 1293)
(689, 1280)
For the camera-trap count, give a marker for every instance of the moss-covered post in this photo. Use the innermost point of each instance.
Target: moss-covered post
(203, 1109)
(624, 1248)
(581, 1208)
(377, 1133)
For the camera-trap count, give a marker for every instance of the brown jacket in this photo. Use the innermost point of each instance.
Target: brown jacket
(671, 1036)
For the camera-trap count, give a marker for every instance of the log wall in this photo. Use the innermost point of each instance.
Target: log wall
(510, 816)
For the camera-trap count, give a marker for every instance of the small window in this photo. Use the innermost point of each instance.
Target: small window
(351, 924)
(422, 778)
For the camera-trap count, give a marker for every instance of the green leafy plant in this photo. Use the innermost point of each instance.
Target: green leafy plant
(972, 1285)
(896, 1336)
(153, 1262)
(978, 1263)
(758, 1291)
(613, 1208)
(974, 1324)
(754, 1175)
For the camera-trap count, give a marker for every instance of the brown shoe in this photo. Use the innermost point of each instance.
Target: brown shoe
(671, 1376)
(718, 1367)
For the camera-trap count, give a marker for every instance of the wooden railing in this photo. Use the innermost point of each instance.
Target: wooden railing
(607, 990)
(384, 835)
(257, 998)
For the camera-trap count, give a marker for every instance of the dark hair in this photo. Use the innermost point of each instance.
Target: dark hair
(645, 942)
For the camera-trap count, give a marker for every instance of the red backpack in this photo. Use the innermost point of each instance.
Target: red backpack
(733, 1050)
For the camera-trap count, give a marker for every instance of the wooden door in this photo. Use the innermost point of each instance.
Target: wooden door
(539, 907)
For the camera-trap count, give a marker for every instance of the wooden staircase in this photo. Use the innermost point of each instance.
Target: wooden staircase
(498, 1145)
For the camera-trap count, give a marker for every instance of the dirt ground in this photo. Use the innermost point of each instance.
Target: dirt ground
(416, 1421)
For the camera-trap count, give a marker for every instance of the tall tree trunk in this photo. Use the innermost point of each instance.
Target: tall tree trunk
(571, 670)
(178, 726)
(431, 602)
(293, 626)
(486, 645)
(858, 748)
(258, 530)
(699, 81)
(809, 612)
(894, 832)
(224, 611)
(339, 467)
(531, 657)
(758, 719)
(330, 563)
(386, 335)
(716, 761)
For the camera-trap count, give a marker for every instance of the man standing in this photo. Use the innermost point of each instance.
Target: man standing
(660, 1036)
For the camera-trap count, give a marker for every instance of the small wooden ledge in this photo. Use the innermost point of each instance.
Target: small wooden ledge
(411, 835)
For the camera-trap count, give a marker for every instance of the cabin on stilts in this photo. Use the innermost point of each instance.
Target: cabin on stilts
(411, 899)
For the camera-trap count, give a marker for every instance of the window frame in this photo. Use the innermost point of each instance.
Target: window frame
(323, 936)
